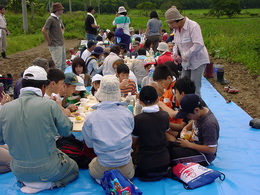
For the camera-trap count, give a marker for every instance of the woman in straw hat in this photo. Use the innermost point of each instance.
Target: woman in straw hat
(189, 45)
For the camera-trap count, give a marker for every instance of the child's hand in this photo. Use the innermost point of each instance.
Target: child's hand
(184, 143)
(125, 82)
(6, 98)
(72, 107)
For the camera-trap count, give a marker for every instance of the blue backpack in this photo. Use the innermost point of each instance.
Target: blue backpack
(114, 183)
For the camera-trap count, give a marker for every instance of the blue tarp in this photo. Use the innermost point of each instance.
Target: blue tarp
(238, 158)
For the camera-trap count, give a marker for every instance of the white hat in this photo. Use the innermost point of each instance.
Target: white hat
(121, 9)
(97, 77)
(162, 46)
(82, 87)
(107, 30)
(36, 73)
(131, 29)
(109, 89)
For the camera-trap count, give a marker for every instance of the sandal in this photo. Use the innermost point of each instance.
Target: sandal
(230, 89)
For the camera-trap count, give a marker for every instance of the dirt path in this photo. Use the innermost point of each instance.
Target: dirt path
(238, 76)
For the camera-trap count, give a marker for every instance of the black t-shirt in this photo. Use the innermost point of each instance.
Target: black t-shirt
(150, 129)
(89, 29)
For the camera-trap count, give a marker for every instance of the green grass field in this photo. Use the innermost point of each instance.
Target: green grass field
(236, 39)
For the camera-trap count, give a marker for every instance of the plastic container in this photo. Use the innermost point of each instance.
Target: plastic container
(138, 108)
(217, 67)
(150, 74)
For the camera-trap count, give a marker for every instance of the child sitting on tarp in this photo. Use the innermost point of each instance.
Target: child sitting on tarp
(166, 79)
(96, 79)
(108, 131)
(80, 92)
(201, 147)
(152, 157)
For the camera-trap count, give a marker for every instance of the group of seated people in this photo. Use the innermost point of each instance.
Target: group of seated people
(175, 125)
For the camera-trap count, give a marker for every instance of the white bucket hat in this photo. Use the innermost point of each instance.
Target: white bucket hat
(121, 9)
(162, 46)
(173, 14)
(109, 89)
(97, 77)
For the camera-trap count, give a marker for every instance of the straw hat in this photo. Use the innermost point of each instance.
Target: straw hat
(173, 14)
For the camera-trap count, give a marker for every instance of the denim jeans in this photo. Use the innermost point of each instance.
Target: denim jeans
(58, 55)
(195, 76)
(91, 37)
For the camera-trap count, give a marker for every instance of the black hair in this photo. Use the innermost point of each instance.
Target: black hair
(161, 72)
(147, 44)
(95, 55)
(185, 85)
(123, 13)
(51, 63)
(163, 30)
(138, 39)
(136, 31)
(110, 35)
(154, 14)
(2, 7)
(173, 67)
(90, 8)
(55, 75)
(93, 89)
(122, 68)
(78, 61)
(33, 83)
(115, 49)
(148, 95)
(141, 51)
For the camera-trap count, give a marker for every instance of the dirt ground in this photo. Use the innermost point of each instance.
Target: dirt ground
(238, 76)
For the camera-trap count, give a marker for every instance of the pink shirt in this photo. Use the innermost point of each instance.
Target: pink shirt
(191, 45)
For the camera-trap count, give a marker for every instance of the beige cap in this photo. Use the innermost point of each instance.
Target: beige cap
(173, 14)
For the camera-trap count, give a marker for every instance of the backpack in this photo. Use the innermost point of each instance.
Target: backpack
(194, 175)
(87, 62)
(113, 182)
(7, 83)
(74, 149)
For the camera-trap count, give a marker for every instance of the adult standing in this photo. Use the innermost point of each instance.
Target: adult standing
(53, 31)
(38, 163)
(154, 29)
(190, 45)
(122, 21)
(91, 24)
(3, 32)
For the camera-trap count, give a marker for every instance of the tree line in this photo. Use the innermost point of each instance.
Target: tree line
(110, 6)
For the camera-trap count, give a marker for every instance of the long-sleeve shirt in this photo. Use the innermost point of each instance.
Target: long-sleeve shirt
(29, 125)
(191, 46)
(108, 131)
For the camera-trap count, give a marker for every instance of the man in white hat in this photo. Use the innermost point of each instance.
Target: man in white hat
(108, 131)
(189, 45)
(28, 125)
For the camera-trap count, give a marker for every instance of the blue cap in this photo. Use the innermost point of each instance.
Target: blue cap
(188, 103)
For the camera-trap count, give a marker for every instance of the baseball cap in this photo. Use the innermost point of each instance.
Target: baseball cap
(72, 79)
(82, 87)
(36, 73)
(187, 105)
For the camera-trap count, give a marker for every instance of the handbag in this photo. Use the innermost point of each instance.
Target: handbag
(113, 182)
(194, 175)
(119, 32)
